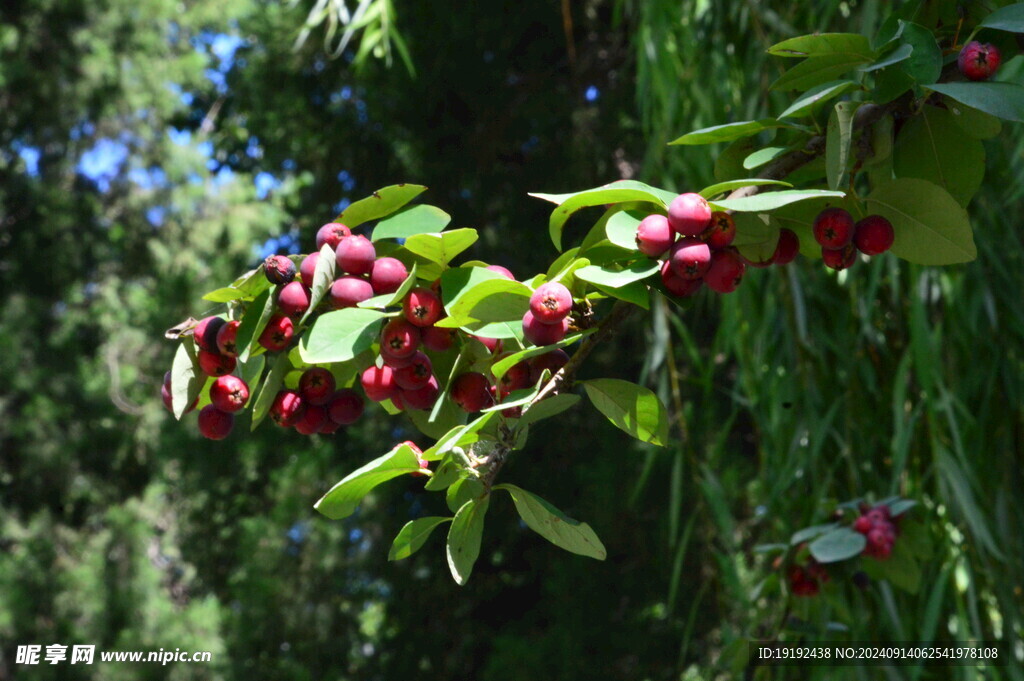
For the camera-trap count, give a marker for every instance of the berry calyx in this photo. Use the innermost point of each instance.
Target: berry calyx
(349, 291)
(416, 374)
(345, 407)
(277, 334)
(387, 275)
(839, 259)
(356, 255)
(422, 307)
(833, 228)
(379, 383)
(399, 338)
(316, 385)
(689, 214)
(540, 333)
(229, 393)
(787, 248)
(332, 233)
(293, 299)
(720, 232)
(287, 408)
(215, 424)
(279, 269)
(227, 339)
(873, 235)
(726, 271)
(472, 392)
(205, 333)
(690, 258)
(213, 364)
(978, 61)
(654, 236)
(551, 303)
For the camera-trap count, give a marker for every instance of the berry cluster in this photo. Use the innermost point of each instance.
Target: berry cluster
(840, 238)
(880, 528)
(316, 406)
(547, 320)
(702, 254)
(806, 580)
(978, 61)
(474, 391)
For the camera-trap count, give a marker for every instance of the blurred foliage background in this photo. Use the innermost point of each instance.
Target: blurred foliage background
(150, 151)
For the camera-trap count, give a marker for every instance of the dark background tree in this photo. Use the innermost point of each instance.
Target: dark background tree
(150, 151)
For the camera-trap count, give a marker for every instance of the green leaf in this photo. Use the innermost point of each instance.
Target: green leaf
(381, 203)
(729, 164)
(818, 70)
(1002, 100)
(763, 156)
(254, 321)
(901, 506)
(621, 228)
(616, 192)
(410, 221)
(901, 53)
(186, 378)
(505, 363)
(548, 407)
(723, 187)
(555, 526)
(838, 544)
(728, 132)
(973, 122)
(837, 143)
(637, 293)
(931, 227)
(756, 238)
(493, 308)
(809, 533)
(445, 475)
(226, 295)
(461, 491)
(391, 299)
(900, 569)
(269, 389)
(1009, 18)
(820, 44)
(925, 63)
(343, 499)
(251, 371)
(809, 101)
(323, 277)
(464, 538)
(630, 407)
(931, 147)
(448, 416)
(341, 335)
(761, 203)
(616, 277)
(413, 535)
(441, 248)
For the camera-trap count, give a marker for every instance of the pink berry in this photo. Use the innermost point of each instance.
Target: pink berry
(978, 61)
(316, 385)
(492, 344)
(502, 271)
(422, 398)
(437, 339)
(690, 258)
(277, 334)
(293, 299)
(689, 214)
(308, 268)
(387, 275)
(726, 271)
(345, 407)
(332, 233)
(399, 338)
(516, 378)
(422, 307)
(227, 339)
(654, 236)
(229, 393)
(213, 364)
(873, 235)
(833, 228)
(416, 374)
(551, 303)
(787, 248)
(287, 408)
(205, 333)
(355, 255)
(720, 232)
(214, 423)
(839, 259)
(540, 333)
(312, 420)
(676, 285)
(863, 524)
(379, 383)
(349, 291)
(471, 391)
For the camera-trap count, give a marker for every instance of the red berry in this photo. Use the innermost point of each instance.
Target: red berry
(279, 269)
(840, 259)
(332, 233)
(316, 385)
(833, 228)
(293, 299)
(308, 268)
(379, 383)
(720, 232)
(395, 362)
(329, 427)
(689, 214)
(690, 258)
(213, 364)
(492, 344)
(502, 271)
(676, 285)
(399, 338)
(471, 391)
(551, 302)
(345, 407)
(355, 255)
(277, 334)
(437, 339)
(552, 361)
(654, 236)
(287, 408)
(539, 333)
(424, 465)
(349, 291)
(422, 398)
(516, 378)
(726, 271)
(229, 393)
(205, 333)
(787, 248)
(387, 275)
(227, 339)
(312, 420)
(873, 235)
(978, 61)
(862, 524)
(416, 374)
(214, 423)
(422, 307)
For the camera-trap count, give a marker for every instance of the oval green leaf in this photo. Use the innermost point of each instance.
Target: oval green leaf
(559, 529)
(339, 336)
(931, 227)
(381, 203)
(413, 535)
(410, 221)
(464, 538)
(838, 544)
(343, 499)
(630, 407)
